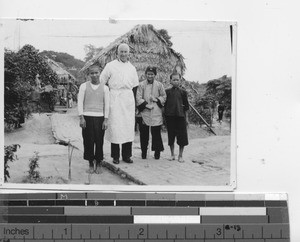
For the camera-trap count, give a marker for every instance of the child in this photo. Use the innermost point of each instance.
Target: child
(150, 98)
(176, 107)
(93, 109)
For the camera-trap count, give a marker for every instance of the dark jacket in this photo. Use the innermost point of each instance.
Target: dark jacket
(177, 102)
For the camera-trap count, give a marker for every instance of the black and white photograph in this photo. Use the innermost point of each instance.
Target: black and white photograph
(108, 103)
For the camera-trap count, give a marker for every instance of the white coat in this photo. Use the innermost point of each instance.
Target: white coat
(121, 78)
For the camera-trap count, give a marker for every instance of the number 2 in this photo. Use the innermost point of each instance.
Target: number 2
(141, 231)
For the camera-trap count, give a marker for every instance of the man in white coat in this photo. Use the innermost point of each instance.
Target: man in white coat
(121, 77)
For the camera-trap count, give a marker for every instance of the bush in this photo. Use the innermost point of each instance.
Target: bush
(221, 90)
(20, 70)
(33, 174)
(216, 90)
(9, 156)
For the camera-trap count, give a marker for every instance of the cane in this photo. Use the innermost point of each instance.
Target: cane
(70, 152)
(150, 136)
(150, 126)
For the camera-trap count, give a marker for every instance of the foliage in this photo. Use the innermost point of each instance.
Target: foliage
(20, 70)
(216, 90)
(28, 64)
(205, 109)
(164, 33)
(9, 156)
(220, 89)
(91, 51)
(15, 115)
(70, 63)
(68, 60)
(33, 174)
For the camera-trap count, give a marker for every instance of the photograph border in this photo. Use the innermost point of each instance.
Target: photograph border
(135, 188)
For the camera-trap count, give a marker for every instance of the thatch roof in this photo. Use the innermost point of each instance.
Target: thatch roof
(59, 70)
(147, 47)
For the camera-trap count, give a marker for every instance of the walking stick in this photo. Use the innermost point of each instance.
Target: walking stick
(70, 152)
(195, 110)
(150, 126)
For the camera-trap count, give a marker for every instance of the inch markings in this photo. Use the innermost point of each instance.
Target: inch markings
(143, 217)
(145, 231)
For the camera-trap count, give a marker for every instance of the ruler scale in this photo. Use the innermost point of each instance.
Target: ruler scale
(144, 217)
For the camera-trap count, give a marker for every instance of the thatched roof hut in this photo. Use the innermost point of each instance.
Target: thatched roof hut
(64, 75)
(147, 47)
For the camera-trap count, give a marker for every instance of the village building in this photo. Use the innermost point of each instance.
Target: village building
(66, 83)
(148, 46)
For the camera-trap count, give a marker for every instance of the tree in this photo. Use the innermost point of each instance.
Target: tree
(216, 90)
(20, 70)
(91, 51)
(221, 90)
(9, 156)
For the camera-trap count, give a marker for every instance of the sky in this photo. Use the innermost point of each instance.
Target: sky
(205, 46)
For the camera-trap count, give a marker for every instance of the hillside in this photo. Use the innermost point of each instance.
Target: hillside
(67, 61)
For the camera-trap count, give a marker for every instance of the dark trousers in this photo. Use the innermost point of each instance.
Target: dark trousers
(126, 150)
(176, 127)
(157, 144)
(93, 138)
(220, 113)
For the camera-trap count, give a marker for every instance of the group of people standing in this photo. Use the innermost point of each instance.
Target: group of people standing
(107, 104)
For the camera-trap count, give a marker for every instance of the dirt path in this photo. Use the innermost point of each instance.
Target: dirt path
(36, 136)
(36, 130)
(207, 158)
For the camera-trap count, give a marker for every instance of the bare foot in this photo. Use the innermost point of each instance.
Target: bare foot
(172, 157)
(88, 182)
(180, 159)
(90, 170)
(98, 170)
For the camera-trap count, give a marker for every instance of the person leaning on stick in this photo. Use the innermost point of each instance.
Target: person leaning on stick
(150, 98)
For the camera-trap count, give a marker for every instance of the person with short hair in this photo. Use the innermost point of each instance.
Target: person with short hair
(93, 110)
(150, 98)
(121, 77)
(176, 107)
